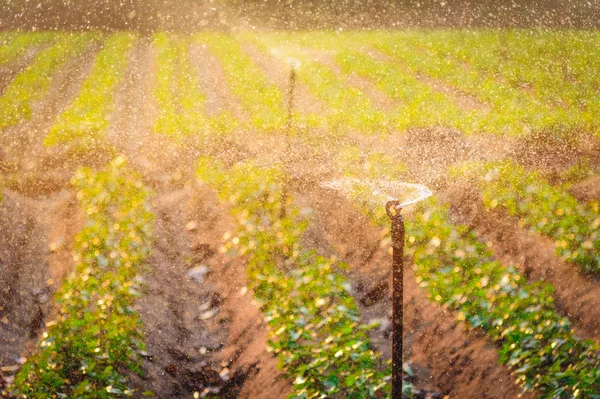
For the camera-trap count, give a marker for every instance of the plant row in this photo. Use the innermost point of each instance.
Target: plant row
(512, 80)
(314, 322)
(420, 105)
(536, 343)
(574, 226)
(556, 67)
(34, 82)
(96, 338)
(260, 96)
(17, 44)
(511, 110)
(182, 105)
(84, 123)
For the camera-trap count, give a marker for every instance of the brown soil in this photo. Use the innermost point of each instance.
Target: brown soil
(587, 190)
(464, 101)
(10, 70)
(42, 218)
(208, 333)
(212, 77)
(247, 331)
(43, 171)
(577, 296)
(381, 101)
(34, 258)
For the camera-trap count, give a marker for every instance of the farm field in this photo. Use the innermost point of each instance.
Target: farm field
(168, 226)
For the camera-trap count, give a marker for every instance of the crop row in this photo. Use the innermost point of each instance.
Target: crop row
(84, 123)
(18, 44)
(459, 271)
(182, 105)
(96, 336)
(314, 322)
(263, 99)
(413, 102)
(511, 110)
(443, 78)
(419, 104)
(516, 92)
(555, 67)
(535, 341)
(574, 226)
(34, 82)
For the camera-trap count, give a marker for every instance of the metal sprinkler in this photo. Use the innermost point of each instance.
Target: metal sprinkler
(397, 195)
(288, 133)
(397, 232)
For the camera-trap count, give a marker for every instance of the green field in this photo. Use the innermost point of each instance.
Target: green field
(205, 255)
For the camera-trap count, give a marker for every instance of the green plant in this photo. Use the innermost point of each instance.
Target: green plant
(84, 123)
(181, 103)
(34, 82)
(97, 335)
(348, 108)
(535, 341)
(18, 44)
(263, 99)
(419, 105)
(511, 110)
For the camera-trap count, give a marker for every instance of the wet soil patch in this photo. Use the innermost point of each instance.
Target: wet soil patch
(35, 255)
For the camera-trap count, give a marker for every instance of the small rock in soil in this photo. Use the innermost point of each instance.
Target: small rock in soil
(146, 355)
(197, 273)
(203, 376)
(10, 369)
(225, 373)
(208, 314)
(54, 246)
(384, 324)
(191, 225)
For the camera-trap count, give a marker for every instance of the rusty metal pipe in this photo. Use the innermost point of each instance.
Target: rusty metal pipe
(397, 233)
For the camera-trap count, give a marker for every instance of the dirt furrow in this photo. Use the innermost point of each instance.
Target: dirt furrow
(39, 219)
(245, 348)
(381, 100)
(213, 83)
(31, 168)
(9, 71)
(577, 296)
(35, 255)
